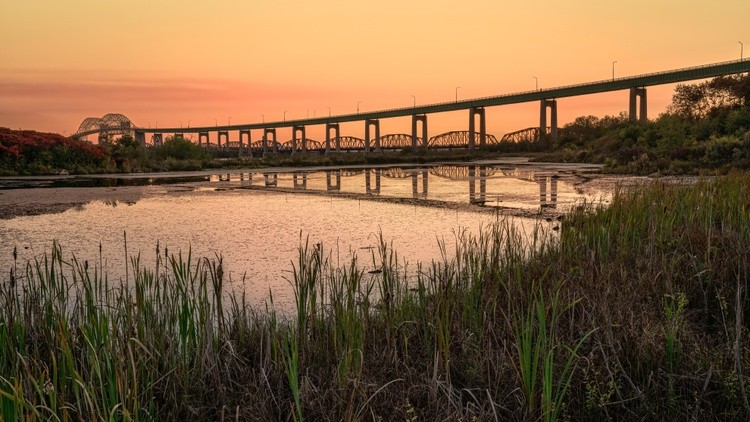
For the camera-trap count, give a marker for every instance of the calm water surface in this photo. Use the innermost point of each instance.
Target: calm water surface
(256, 220)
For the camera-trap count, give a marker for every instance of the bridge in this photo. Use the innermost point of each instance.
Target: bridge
(475, 136)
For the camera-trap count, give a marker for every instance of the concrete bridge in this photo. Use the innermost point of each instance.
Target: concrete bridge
(476, 135)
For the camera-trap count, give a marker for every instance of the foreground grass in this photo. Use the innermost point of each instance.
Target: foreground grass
(638, 311)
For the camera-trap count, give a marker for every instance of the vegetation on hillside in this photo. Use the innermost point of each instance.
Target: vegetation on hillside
(705, 129)
(639, 311)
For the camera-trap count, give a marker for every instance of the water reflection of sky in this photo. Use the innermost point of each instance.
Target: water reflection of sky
(258, 231)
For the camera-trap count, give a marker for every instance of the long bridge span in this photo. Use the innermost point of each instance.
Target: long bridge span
(476, 134)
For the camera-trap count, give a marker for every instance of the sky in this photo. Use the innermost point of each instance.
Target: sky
(169, 63)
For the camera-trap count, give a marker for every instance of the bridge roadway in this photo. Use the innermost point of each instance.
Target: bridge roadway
(617, 84)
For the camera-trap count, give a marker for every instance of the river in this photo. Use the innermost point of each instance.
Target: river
(256, 219)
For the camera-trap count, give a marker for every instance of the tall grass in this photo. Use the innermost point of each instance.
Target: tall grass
(635, 311)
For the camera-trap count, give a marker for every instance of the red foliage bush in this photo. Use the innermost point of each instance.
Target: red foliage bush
(23, 151)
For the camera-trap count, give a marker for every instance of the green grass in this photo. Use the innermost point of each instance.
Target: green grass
(634, 311)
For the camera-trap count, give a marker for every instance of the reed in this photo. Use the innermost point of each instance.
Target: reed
(634, 310)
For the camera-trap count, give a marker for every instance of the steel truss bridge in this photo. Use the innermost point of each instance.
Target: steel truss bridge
(476, 135)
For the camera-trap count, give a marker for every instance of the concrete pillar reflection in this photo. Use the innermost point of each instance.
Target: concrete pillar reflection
(635, 95)
(542, 181)
(552, 105)
(332, 175)
(270, 179)
(417, 118)
(472, 184)
(300, 180)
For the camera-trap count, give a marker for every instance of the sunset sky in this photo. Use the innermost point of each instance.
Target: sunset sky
(172, 63)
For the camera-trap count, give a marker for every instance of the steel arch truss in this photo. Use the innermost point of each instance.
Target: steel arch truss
(458, 139)
(106, 126)
(351, 142)
(530, 134)
(396, 141)
(310, 145)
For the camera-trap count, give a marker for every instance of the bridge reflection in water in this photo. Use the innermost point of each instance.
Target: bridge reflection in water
(480, 185)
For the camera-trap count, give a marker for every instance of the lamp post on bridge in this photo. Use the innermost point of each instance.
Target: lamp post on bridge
(742, 47)
(358, 102)
(457, 93)
(230, 120)
(536, 82)
(613, 69)
(216, 122)
(285, 115)
(329, 111)
(263, 118)
(414, 100)
(180, 124)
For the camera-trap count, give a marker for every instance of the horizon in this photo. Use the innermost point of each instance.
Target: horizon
(195, 64)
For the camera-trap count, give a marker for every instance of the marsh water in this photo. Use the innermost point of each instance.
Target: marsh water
(257, 219)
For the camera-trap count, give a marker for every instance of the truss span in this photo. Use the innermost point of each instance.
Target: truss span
(310, 145)
(350, 142)
(397, 141)
(458, 139)
(530, 134)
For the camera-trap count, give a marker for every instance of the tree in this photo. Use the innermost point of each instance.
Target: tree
(696, 101)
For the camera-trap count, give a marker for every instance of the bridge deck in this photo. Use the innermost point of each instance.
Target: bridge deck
(649, 79)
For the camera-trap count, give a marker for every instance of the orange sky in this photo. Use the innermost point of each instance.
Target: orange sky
(171, 62)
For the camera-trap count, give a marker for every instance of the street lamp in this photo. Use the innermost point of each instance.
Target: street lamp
(613, 69)
(230, 120)
(329, 111)
(457, 93)
(536, 82)
(180, 124)
(216, 122)
(358, 102)
(263, 118)
(285, 115)
(415, 100)
(742, 47)
(188, 123)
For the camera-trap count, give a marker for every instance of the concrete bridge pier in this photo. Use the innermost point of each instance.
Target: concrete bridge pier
(419, 118)
(266, 132)
(202, 135)
(157, 139)
(635, 95)
(376, 124)
(335, 128)
(140, 137)
(225, 134)
(552, 105)
(249, 142)
(474, 197)
(330, 186)
(473, 112)
(295, 130)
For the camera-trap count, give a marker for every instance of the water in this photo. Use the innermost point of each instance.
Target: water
(256, 220)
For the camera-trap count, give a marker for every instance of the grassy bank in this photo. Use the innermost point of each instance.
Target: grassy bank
(638, 311)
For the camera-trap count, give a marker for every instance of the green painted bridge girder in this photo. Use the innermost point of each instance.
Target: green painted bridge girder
(617, 84)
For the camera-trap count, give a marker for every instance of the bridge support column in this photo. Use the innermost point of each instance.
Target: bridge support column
(225, 134)
(249, 142)
(635, 94)
(266, 132)
(300, 129)
(376, 124)
(157, 139)
(416, 118)
(473, 112)
(202, 135)
(335, 128)
(552, 105)
(140, 137)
